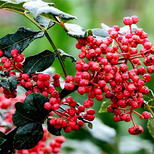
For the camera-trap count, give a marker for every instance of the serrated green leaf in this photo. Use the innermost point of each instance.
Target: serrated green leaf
(32, 110)
(52, 129)
(18, 40)
(13, 7)
(90, 125)
(40, 8)
(38, 62)
(28, 136)
(65, 55)
(150, 126)
(9, 83)
(104, 106)
(150, 94)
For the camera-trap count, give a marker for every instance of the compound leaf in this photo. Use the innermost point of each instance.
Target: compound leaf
(18, 40)
(38, 62)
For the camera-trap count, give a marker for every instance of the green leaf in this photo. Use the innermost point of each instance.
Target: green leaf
(32, 110)
(13, 7)
(40, 8)
(2, 138)
(44, 22)
(38, 62)
(2, 2)
(52, 129)
(150, 94)
(4, 73)
(104, 106)
(65, 55)
(28, 136)
(90, 125)
(151, 102)
(150, 126)
(9, 83)
(18, 40)
(99, 33)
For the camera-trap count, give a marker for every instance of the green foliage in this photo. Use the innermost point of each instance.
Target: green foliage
(9, 83)
(31, 111)
(27, 136)
(18, 40)
(38, 62)
(150, 126)
(104, 106)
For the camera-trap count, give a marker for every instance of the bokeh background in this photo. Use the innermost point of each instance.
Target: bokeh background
(107, 136)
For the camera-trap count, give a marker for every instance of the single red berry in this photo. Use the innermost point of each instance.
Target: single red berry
(146, 115)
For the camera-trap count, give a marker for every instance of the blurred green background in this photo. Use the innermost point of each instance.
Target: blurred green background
(107, 136)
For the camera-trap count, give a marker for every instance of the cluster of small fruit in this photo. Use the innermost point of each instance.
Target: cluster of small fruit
(107, 70)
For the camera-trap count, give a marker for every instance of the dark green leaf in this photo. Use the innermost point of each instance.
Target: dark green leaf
(32, 110)
(150, 94)
(9, 83)
(38, 62)
(150, 126)
(2, 138)
(28, 136)
(99, 33)
(65, 55)
(13, 7)
(52, 129)
(45, 22)
(2, 2)
(4, 73)
(104, 106)
(18, 40)
(90, 125)
(40, 8)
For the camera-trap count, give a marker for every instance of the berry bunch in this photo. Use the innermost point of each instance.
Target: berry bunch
(107, 70)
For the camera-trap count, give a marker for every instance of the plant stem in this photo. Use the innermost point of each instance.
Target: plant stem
(50, 41)
(150, 110)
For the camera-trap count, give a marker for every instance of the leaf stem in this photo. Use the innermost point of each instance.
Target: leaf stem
(50, 41)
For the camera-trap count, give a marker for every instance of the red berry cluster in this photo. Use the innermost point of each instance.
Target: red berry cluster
(11, 64)
(71, 118)
(107, 70)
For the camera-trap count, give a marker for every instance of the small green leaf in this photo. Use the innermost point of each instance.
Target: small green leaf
(28, 136)
(52, 129)
(150, 126)
(13, 7)
(65, 55)
(150, 94)
(104, 106)
(4, 73)
(32, 110)
(9, 83)
(18, 40)
(90, 125)
(38, 62)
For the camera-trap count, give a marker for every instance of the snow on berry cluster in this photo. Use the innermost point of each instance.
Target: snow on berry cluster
(103, 69)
